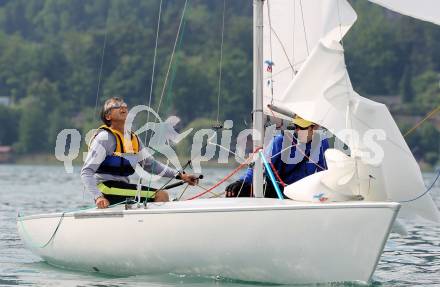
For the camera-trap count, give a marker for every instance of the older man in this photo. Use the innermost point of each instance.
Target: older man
(112, 157)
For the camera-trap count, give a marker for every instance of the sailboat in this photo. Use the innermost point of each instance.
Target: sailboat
(298, 240)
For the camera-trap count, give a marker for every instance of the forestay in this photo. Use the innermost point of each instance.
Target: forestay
(332, 103)
(292, 29)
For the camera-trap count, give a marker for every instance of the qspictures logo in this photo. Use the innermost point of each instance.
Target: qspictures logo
(207, 143)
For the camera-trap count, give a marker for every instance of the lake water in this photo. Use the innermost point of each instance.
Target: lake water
(410, 261)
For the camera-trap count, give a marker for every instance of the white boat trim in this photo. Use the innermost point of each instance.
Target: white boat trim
(254, 205)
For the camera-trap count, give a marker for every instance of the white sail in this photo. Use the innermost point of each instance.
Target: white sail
(427, 10)
(320, 89)
(292, 29)
(322, 93)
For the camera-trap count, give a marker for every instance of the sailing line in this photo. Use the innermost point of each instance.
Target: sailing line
(429, 115)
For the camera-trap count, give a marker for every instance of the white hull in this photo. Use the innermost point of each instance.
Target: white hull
(264, 240)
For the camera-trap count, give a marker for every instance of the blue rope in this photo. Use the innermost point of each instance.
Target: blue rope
(428, 190)
(271, 176)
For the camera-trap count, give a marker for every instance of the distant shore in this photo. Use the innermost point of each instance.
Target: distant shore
(50, 159)
(36, 159)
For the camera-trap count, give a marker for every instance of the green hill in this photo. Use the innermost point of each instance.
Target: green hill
(51, 52)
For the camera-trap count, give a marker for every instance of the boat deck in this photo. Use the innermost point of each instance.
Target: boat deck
(217, 205)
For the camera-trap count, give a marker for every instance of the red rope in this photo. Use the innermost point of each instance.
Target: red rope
(311, 160)
(305, 155)
(228, 176)
(277, 175)
(246, 163)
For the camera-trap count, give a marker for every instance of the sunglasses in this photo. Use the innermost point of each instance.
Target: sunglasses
(115, 105)
(303, 129)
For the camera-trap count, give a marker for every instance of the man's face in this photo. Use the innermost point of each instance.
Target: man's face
(117, 111)
(305, 135)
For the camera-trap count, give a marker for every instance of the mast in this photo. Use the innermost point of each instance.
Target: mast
(258, 123)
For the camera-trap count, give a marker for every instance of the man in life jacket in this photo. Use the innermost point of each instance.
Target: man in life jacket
(293, 155)
(112, 158)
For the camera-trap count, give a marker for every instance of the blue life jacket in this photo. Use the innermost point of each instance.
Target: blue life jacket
(118, 163)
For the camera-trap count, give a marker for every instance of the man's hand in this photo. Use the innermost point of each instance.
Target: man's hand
(189, 178)
(101, 202)
(237, 188)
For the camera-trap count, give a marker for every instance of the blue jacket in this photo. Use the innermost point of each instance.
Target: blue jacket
(293, 166)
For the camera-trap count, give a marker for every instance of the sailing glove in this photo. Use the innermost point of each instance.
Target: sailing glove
(238, 189)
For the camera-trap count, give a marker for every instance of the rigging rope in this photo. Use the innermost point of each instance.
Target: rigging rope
(221, 62)
(174, 69)
(272, 31)
(219, 86)
(171, 58)
(52, 237)
(270, 49)
(101, 66)
(248, 160)
(154, 64)
(429, 115)
(241, 188)
(269, 173)
(153, 75)
(218, 194)
(26, 234)
(427, 190)
(291, 66)
(224, 148)
(139, 183)
(304, 27)
(301, 151)
(293, 36)
(277, 174)
(214, 193)
(184, 190)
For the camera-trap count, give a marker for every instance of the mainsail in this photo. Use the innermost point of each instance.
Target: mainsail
(427, 10)
(292, 29)
(322, 93)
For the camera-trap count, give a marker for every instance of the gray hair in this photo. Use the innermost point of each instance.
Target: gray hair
(106, 108)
